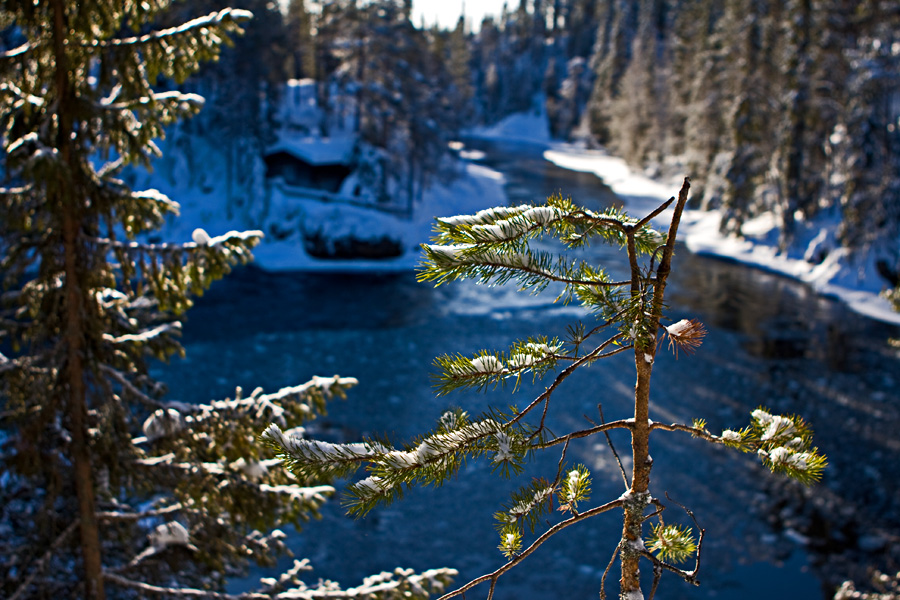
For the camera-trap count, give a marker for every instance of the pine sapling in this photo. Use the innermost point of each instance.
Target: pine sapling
(496, 246)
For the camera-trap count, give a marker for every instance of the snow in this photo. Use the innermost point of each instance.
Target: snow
(284, 219)
(315, 150)
(163, 423)
(815, 259)
(504, 451)
(168, 534)
(487, 364)
(777, 427)
(200, 237)
(853, 281)
(730, 435)
(632, 595)
(531, 126)
(678, 328)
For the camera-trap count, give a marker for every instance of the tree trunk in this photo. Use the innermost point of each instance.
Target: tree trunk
(73, 371)
(644, 355)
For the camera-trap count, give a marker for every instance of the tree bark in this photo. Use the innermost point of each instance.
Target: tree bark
(74, 332)
(639, 497)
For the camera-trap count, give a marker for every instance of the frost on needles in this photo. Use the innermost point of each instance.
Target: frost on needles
(497, 246)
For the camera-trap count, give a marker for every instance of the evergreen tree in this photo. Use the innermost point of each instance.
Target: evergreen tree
(300, 40)
(109, 490)
(508, 244)
(615, 36)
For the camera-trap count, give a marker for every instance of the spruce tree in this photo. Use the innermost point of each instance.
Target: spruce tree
(510, 245)
(109, 489)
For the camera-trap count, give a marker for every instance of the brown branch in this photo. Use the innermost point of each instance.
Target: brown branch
(654, 214)
(657, 575)
(694, 431)
(563, 375)
(609, 565)
(613, 448)
(665, 263)
(620, 424)
(688, 576)
(534, 546)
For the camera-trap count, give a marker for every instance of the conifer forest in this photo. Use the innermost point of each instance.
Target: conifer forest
(322, 299)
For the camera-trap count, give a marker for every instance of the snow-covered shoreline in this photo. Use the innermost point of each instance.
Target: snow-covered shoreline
(836, 276)
(285, 220)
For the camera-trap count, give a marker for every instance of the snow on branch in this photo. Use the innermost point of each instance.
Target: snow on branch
(537, 355)
(305, 398)
(488, 215)
(400, 583)
(213, 19)
(7, 86)
(308, 458)
(144, 336)
(186, 102)
(229, 239)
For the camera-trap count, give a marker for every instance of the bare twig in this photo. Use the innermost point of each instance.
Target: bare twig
(657, 575)
(688, 576)
(595, 354)
(492, 577)
(620, 424)
(697, 525)
(562, 458)
(613, 448)
(612, 560)
(654, 214)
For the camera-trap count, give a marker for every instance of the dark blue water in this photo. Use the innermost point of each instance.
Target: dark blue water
(772, 342)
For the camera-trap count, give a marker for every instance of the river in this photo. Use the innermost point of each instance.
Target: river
(771, 341)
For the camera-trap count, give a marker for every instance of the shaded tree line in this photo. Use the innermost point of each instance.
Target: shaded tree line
(785, 107)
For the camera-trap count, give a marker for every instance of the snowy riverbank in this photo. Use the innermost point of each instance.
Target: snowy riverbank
(854, 282)
(288, 221)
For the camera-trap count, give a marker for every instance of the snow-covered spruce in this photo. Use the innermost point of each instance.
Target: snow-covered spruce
(168, 534)
(163, 423)
(778, 427)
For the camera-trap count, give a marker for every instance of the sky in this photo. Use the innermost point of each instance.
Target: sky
(446, 12)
